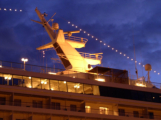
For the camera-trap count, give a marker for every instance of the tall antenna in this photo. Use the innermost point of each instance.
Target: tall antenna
(136, 71)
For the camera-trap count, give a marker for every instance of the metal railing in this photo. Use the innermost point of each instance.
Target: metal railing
(74, 38)
(95, 56)
(73, 74)
(41, 105)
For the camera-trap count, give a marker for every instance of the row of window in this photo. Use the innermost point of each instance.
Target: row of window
(135, 114)
(129, 94)
(39, 83)
(38, 104)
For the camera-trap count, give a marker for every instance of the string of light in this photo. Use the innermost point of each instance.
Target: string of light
(114, 49)
(10, 9)
(88, 34)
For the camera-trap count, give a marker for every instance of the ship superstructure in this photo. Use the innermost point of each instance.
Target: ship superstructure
(79, 92)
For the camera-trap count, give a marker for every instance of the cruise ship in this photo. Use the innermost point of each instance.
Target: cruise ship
(78, 92)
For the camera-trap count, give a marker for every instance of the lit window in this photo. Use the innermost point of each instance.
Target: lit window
(88, 109)
(103, 110)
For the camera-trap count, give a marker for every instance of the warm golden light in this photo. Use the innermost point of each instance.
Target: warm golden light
(140, 85)
(29, 77)
(64, 82)
(100, 79)
(0, 66)
(52, 73)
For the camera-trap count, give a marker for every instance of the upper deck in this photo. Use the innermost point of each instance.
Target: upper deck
(39, 77)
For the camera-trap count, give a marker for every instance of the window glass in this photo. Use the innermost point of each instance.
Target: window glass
(63, 86)
(151, 115)
(73, 107)
(54, 85)
(1, 78)
(2, 100)
(121, 112)
(17, 80)
(136, 113)
(104, 110)
(27, 82)
(96, 90)
(45, 84)
(7, 79)
(88, 109)
(71, 87)
(17, 102)
(36, 83)
(88, 89)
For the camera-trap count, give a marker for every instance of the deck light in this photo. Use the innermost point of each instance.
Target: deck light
(24, 61)
(100, 79)
(0, 66)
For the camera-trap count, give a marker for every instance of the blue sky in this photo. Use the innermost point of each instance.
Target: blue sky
(115, 22)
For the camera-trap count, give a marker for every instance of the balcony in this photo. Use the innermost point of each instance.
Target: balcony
(102, 112)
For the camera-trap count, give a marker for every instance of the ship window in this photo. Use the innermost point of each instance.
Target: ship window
(88, 89)
(96, 90)
(27, 82)
(36, 83)
(37, 104)
(151, 115)
(88, 109)
(17, 102)
(2, 100)
(1, 78)
(72, 87)
(17, 80)
(45, 84)
(7, 79)
(121, 112)
(103, 110)
(155, 97)
(141, 96)
(73, 107)
(79, 88)
(55, 105)
(54, 85)
(63, 86)
(136, 113)
(148, 97)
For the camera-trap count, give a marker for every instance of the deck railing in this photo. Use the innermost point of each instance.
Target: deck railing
(74, 38)
(50, 70)
(95, 56)
(91, 110)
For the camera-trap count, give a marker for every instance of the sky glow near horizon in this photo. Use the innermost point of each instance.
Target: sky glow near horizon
(116, 23)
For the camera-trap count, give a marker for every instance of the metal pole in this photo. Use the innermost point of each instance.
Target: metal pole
(24, 65)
